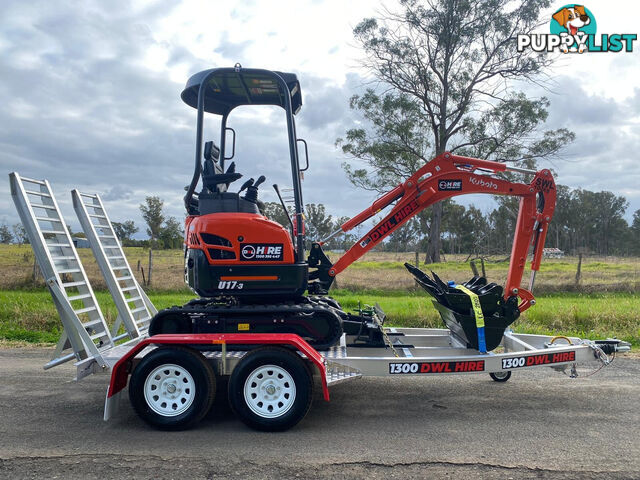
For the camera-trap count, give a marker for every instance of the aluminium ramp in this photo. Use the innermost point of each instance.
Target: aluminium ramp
(85, 330)
(135, 310)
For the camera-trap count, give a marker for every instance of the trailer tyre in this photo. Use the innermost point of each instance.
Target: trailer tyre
(500, 376)
(271, 389)
(172, 388)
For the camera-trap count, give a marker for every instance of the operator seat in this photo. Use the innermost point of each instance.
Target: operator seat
(213, 177)
(214, 197)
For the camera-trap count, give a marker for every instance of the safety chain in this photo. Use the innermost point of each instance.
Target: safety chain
(597, 352)
(600, 355)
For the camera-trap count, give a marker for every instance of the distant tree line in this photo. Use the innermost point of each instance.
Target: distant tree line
(164, 232)
(584, 222)
(14, 234)
(319, 225)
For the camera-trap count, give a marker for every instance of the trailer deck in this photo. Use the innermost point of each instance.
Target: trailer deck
(414, 351)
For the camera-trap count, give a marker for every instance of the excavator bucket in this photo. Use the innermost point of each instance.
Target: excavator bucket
(455, 305)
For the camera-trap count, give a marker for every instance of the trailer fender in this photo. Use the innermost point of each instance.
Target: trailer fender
(121, 370)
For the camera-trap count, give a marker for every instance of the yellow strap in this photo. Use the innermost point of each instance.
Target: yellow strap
(475, 303)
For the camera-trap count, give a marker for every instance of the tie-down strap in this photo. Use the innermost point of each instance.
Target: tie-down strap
(477, 312)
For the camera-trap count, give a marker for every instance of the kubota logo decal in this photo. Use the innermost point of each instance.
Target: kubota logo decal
(483, 183)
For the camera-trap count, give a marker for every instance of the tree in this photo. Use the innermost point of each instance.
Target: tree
(589, 221)
(342, 241)
(475, 236)
(274, 211)
(611, 226)
(403, 239)
(502, 221)
(125, 230)
(5, 234)
(152, 213)
(444, 71)
(635, 233)
(453, 225)
(20, 233)
(171, 234)
(318, 224)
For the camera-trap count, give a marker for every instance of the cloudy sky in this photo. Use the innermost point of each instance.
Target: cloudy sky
(90, 97)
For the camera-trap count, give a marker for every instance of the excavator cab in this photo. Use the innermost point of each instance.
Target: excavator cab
(231, 247)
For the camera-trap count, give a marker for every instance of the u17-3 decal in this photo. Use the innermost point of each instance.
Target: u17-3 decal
(230, 285)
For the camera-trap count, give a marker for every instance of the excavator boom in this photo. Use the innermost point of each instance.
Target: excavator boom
(448, 176)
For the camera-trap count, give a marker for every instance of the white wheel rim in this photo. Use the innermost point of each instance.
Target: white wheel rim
(501, 375)
(269, 391)
(169, 390)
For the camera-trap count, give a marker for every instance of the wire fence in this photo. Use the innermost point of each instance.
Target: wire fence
(376, 270)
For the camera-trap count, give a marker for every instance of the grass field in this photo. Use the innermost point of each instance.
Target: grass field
(603, 303)
(375, 271)
(29, 315)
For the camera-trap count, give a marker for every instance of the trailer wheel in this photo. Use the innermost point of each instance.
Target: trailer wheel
(500, 376)
(270, 389)
(172, 388)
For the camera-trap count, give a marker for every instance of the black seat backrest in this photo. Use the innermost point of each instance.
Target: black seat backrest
(212, 167)
(214, 179)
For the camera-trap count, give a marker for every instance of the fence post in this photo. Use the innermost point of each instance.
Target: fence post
(578, 272)
(417, 259)
(36, 271)
(150, 266)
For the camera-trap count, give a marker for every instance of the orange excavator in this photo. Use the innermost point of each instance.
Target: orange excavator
(253, 275)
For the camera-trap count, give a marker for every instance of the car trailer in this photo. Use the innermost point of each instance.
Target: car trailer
(172, 377)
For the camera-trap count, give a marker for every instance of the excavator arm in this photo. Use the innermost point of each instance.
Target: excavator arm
(448, 176)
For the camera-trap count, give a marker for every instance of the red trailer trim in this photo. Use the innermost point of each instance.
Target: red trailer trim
(121, 369)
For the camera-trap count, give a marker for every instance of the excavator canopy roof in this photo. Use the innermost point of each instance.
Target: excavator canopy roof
(227, 88)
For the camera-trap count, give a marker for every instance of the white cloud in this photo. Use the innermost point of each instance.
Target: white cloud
(89, 97)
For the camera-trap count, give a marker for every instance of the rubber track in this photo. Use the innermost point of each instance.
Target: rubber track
(225, 311)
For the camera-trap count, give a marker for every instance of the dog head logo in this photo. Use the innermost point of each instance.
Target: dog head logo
(572, 18)
(576, 21)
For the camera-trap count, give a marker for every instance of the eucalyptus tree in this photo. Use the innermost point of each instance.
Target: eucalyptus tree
(445, 76)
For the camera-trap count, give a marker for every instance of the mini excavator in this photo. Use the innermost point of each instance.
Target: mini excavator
(253, 275)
